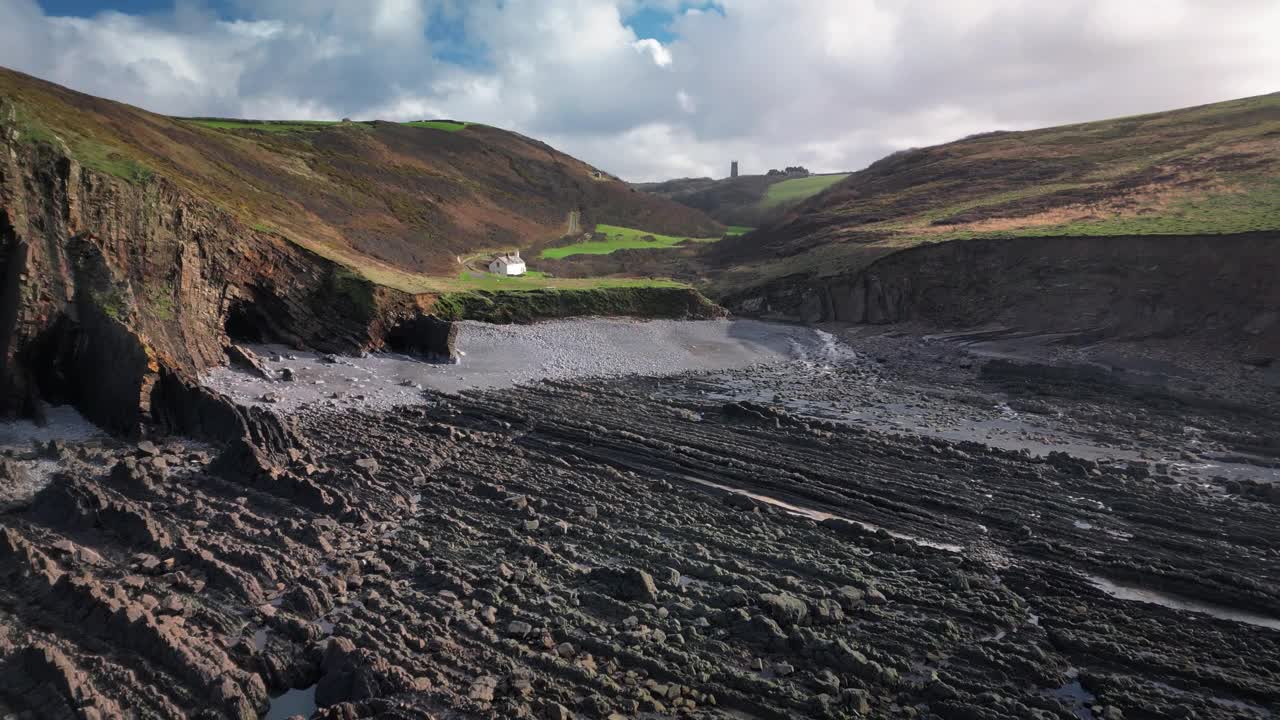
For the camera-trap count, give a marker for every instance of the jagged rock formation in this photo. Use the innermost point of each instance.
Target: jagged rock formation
(111, 284)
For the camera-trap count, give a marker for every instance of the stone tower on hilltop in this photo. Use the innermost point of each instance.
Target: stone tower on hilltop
(733, 169)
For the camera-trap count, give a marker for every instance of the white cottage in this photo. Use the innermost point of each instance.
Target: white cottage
(507, 264)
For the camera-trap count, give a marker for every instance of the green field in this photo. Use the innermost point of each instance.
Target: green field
(738, 230)
(273, 126)
(415, 283)
(619, 238)
(792, 191)
(467, 280)
(532, 280)
(446, 125)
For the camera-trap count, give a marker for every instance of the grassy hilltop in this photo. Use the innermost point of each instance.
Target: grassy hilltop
(794, 190)
(620, 238)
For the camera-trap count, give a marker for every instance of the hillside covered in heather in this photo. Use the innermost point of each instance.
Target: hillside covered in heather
(1208, 170)
(386, 198)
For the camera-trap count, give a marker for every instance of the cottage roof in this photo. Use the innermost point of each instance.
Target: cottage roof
(508, 259)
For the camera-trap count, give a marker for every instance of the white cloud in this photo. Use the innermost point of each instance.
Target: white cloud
(831, 84)
(661, 56)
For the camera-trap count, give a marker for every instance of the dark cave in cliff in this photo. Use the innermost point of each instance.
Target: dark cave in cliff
(425, 337)
(246, 323)
(51, 361)
(42, 372)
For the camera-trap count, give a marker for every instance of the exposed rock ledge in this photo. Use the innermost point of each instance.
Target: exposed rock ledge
(1218, 288)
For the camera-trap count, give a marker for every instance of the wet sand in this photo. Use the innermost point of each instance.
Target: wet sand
(495, 356)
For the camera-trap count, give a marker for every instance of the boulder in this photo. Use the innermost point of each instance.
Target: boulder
(786, 609)
(625, 583)
(425, 336)
(246, 359)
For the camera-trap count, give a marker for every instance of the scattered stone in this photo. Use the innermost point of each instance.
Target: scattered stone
(483, 689)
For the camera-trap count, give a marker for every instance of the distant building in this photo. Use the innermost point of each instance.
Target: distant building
(509, 265)
(733, 169)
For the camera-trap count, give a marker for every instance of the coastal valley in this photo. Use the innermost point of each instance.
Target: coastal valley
(429, 419)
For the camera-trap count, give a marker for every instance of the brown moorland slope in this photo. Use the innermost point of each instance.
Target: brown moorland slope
(1208, 170)
(746, 200)
(407, 197)
(733, 201)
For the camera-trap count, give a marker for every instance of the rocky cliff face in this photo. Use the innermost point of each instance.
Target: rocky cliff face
(1220, 287)
(110, 285)
(117, 294)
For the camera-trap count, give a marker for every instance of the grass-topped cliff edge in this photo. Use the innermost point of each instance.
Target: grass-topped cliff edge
(1208, 170)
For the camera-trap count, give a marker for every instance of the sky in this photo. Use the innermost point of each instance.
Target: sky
(656, 89)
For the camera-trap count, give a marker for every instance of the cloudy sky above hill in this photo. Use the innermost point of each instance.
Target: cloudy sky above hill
(652, 89)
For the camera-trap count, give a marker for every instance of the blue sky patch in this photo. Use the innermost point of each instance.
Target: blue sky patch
(446, 30)
(89, 8)
(651, 22)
